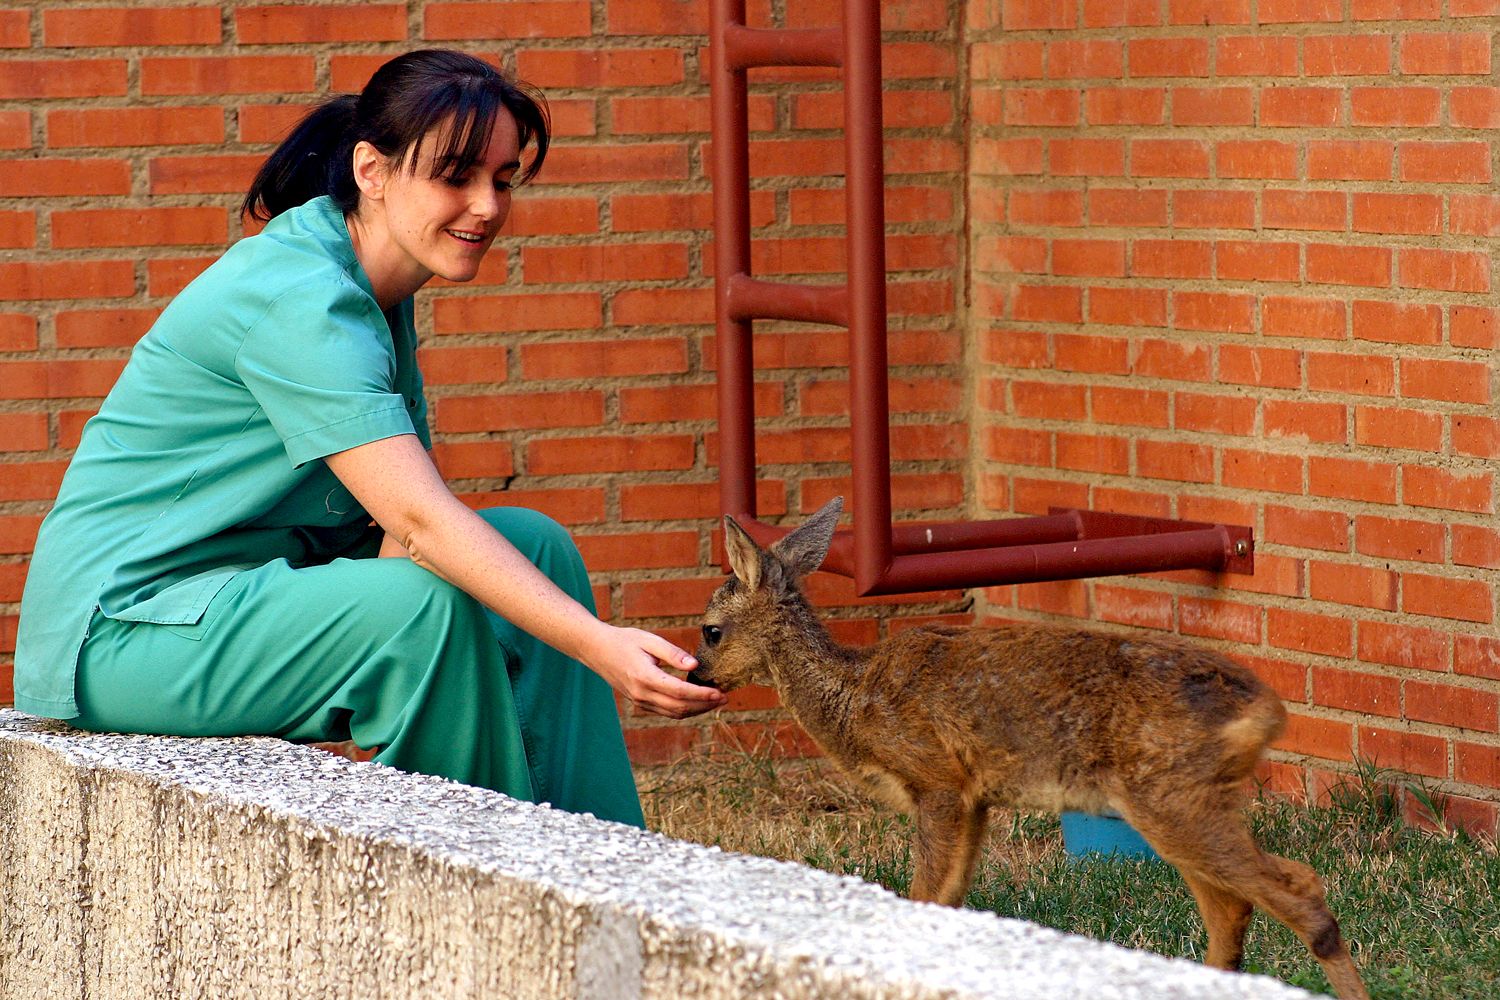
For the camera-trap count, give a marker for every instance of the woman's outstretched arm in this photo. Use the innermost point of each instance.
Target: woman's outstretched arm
(395, 480)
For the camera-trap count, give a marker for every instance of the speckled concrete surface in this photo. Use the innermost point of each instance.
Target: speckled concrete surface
(147, 867)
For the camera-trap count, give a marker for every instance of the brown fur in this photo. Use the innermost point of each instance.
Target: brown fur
(946, 722)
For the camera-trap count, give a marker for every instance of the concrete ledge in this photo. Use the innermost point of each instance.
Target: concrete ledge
(148, 867)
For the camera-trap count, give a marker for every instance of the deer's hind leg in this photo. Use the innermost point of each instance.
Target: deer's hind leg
(1214, 850)
(945, 846)
(1226, 915)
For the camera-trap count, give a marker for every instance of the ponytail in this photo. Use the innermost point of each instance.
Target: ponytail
(405, 100)
(316, 159)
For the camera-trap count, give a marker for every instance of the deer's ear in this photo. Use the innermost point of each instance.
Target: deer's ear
(744, 554)
(805, 549)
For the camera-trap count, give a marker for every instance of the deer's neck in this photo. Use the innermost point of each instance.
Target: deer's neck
(816, 678)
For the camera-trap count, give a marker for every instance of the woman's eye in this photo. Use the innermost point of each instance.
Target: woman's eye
(712, 634)
(502, 185)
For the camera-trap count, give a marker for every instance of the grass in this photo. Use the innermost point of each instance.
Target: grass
(1420, 909)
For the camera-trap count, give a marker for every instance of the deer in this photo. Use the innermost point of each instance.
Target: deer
(945, 722)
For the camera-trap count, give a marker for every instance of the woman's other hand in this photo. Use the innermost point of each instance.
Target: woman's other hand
(630, 660)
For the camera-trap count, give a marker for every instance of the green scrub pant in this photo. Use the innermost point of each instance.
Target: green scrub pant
(385, 653)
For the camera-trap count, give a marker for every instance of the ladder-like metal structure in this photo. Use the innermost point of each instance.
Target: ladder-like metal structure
(882, 558)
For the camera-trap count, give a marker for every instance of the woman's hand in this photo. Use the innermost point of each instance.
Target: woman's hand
(629, 660)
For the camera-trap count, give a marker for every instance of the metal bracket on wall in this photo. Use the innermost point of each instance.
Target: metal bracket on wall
(882, 557)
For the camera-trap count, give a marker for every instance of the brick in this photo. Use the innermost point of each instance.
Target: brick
(474, 459)
(1413, 753)
(657, 550)
(1474, 215)
(1236, 260)
(48, 178)
(1444, 162)
(1368, 376)
(1255, 55)
(215, 75)
(18, 332)
(1127, 207)
(1473, 326)
(41, 79)
(990, 61)
(1181, 360)
(1218, 619)
(1035, 303)
(1187, 158)
(1476, 436)
(1477, 656)
(1025, 15)
(109, 127)
(23, 432)
(67, 280)
(611, 162)
(1171, 259)
(1093, 453)
(603, 262)
(1356, 586)
(1263, 366)
(144, 227)
(1391, 427)
(1044, 207)
(1450, 381)
(1342, 159)
(1285, 316)
(1256, 159)
(103, 327)
(638, 453)
(206, 174)
(656, 745)
(1448, 54)
(1398, 538)
(604, 359)
(1424, 486)
(1299, 11)
(667, 598)
(1133, 407)
(1073, 158)
(1089, 258)
(1125, 307)
(691, 501)
(517, 312)
(1476, 764)
(365, 22)
(132, 26)
(1300, 107)
(1325, 738)
(1476, 546)
(15, 29)
(1040, 107)
(1445, 270)
(1303, 528)
(1120, 105)
(1305, 210)
(596, 67)
(166, 276)
(461, 366)
(58, 379)
(1085, 59)
(1323, 422)
(1349, 265)
(677, 403)
(1131, 606)
(1399, 107)
(1214, 311)
(1451, 705)
(1218, 414)
(1311, 633)
(1442, 597)
(1356, 691)
(1398, 322)
(1256, 470)
(1404, 646)
(15, 130)
(1351, 479)
(1213, 209)
(1346, 55)
(518, 411)
(1175, 461)
(1408, 214)
(1213, 106)
(17, 230)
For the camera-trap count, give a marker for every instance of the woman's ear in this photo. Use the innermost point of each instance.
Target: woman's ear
(369, 170)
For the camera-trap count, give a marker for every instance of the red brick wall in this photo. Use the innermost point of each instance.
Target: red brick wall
(1213, 260)
(1233, 261)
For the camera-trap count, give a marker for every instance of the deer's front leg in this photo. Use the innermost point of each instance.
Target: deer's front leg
(945, 846)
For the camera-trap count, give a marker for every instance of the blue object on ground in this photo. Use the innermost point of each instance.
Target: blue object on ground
(1083, 833)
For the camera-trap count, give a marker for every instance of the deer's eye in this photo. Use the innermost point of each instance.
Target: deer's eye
(712, 634)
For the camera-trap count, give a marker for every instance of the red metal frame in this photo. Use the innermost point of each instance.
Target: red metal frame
(881, 558)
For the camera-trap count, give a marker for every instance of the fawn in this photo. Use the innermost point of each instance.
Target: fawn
(945, 722)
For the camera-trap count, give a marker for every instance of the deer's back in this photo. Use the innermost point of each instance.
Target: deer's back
(1061, 710)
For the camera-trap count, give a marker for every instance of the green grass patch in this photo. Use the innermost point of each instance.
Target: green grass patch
(1419, 909)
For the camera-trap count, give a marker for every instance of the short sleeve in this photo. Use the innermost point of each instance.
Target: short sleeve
(321, 366)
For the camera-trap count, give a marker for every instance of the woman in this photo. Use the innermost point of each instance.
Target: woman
(208, 568)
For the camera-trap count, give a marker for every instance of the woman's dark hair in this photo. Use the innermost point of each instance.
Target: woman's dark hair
(405, 99)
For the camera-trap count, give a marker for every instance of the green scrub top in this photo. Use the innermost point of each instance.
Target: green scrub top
(204, 460)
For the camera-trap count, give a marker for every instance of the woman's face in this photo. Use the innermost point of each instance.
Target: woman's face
(440, 225)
